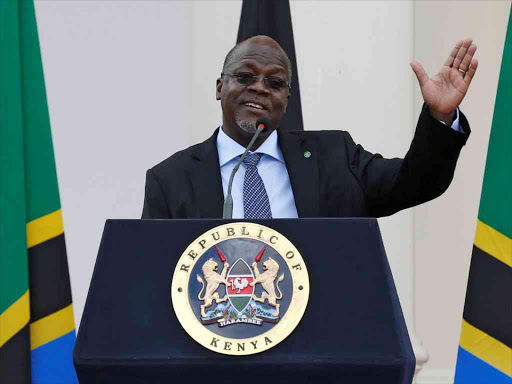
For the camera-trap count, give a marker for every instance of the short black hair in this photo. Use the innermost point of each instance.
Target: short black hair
(231, 56)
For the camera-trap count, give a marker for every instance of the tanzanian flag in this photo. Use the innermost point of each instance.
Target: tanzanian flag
(485, 352)
(37, 329)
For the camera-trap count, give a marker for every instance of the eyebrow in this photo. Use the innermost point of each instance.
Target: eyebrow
(274, 68)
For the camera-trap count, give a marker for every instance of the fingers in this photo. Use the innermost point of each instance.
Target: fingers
(471, 72)
(453, 54)
(462, 53)
(420, 73)
(466, 61)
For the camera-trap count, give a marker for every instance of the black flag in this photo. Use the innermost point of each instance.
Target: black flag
(272, 18)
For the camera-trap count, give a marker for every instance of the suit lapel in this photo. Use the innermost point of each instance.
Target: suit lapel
(205, 175)
(303, 172)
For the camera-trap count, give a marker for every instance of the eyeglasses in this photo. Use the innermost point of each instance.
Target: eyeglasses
(271, 82)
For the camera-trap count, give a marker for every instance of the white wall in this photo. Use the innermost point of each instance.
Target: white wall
(115, 82)
(131, 82)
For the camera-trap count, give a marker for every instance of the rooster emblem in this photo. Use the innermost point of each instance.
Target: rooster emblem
(240, 284)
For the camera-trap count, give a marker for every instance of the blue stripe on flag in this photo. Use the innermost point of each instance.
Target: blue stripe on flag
(471, 370)
(52, 363)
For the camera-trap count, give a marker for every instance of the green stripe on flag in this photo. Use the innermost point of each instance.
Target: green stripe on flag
(13, 249)
(496, 200)
(41, 177)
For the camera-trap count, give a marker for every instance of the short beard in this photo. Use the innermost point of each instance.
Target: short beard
(247, 126)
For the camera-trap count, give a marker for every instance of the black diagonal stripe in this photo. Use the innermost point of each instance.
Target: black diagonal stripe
(49, 278)
(488, 305)
(15, 358)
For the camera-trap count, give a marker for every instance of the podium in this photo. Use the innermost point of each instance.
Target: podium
(352, 331)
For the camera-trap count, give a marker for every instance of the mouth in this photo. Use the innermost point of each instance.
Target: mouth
(255, 106)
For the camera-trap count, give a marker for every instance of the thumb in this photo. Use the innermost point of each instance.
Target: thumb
(420, 73)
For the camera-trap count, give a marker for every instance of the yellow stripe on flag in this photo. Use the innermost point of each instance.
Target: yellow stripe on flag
(14, 318)
(486, 348)
(493, 243)
(44, 228)
(51, 327)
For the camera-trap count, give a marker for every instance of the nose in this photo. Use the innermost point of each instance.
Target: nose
(259, 86)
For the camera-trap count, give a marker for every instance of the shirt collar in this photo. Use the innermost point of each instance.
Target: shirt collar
(229, 149)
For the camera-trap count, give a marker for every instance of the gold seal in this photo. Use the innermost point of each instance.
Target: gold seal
(240, 289)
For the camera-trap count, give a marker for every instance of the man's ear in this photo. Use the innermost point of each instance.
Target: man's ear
(286, 106)
(219, 88)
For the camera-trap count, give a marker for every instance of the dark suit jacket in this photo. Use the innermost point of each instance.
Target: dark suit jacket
(340, 179)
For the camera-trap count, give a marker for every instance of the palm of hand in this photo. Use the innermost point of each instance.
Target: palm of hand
(444, 92)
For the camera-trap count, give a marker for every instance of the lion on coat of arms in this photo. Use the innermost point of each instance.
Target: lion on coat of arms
(213, 280)
(266, 279)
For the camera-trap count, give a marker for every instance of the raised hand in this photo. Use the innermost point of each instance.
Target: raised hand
(444, 92)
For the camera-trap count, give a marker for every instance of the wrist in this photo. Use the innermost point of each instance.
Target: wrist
(446, 118)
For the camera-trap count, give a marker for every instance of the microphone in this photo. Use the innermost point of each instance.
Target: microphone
(261, 124)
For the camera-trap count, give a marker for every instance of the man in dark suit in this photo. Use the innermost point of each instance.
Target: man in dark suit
(315, 173)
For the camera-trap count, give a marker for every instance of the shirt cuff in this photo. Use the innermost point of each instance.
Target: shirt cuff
(455, 125)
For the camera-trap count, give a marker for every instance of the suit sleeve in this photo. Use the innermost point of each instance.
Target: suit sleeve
(426, 171)
(155, 206)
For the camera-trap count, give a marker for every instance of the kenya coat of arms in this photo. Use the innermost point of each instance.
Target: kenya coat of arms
(233, 286)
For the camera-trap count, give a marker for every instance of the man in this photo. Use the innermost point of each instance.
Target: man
(308, 173)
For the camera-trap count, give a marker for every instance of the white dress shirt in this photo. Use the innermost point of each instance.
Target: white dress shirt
(272, 170)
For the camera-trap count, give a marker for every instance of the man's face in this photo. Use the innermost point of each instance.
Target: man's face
(243, 105)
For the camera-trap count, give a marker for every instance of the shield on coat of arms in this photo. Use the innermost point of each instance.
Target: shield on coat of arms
(240, 290)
